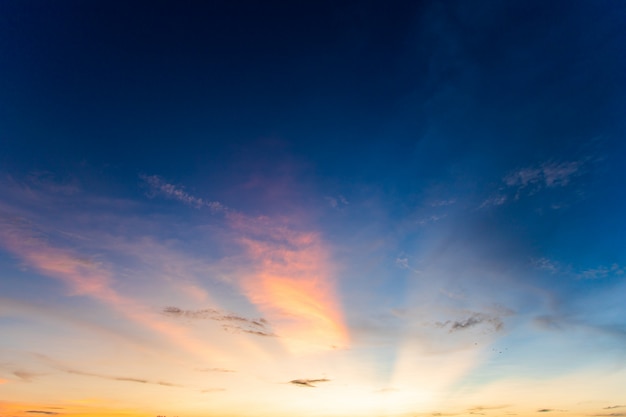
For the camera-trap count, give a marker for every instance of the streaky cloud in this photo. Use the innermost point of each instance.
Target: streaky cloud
(310, 383)
(158, 186)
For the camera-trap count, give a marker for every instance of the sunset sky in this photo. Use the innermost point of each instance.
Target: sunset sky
(312, 208)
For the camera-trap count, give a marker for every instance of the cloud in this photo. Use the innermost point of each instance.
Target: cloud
(211, 390)
(611, 407)
(50, 413)
(431, 219)
(441, 203)
(611, 415)
(308, 382)
(599, 272)
(473, 320)
(495, 200)
(546, 264)
(158, 186)
(386, 390)
(532, 179)
(215, 370)
(545, 410)
(289, 278)
(235, 323)
(26, 376)
(402, 261)
(337, 202)
(121, 378)
(87, 277)
(548, 174)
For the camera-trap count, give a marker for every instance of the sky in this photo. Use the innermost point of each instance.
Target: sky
(314, 208)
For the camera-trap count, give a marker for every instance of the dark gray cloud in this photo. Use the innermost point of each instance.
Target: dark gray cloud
(121, 378)
(230, 322)
(308, 382)
(493, 322)
(610, 415)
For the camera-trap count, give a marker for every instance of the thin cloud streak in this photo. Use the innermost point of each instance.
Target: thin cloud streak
(158, 186)
(309, 383)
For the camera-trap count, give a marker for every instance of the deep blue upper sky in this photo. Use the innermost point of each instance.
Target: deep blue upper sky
(353, 86)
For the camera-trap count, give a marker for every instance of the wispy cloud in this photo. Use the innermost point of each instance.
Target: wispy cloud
(548, 174)
(337, 202)
(611, 407)
(224, 370)
(494, 200)
(212, 390)
(50, 413)
(402, 261)
(158, 186)
(234, 323)
(310, 383)
(26, 375)
(532, 179)
(475, 319)
(599, 272)
(86, 277)
(440, 203)
(121, 378)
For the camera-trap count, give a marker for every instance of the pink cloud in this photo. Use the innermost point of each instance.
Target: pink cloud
(291, 283)
(85, 277)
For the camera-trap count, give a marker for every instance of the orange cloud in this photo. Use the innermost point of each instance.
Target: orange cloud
(291, 283)
(3, 381)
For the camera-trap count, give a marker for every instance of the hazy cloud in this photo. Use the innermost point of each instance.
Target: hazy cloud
(210, 390)
(308, 382)
(158, 186)
(548, 174)
(50, 413)
(337, 202)
(25, 375)
(232, 323)
(440, 203)
(473, 320)
(121, 378)
(599, 272)
(530, 180)
(611, 407)
(215, 370)
(402, 261)
(494, 200)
